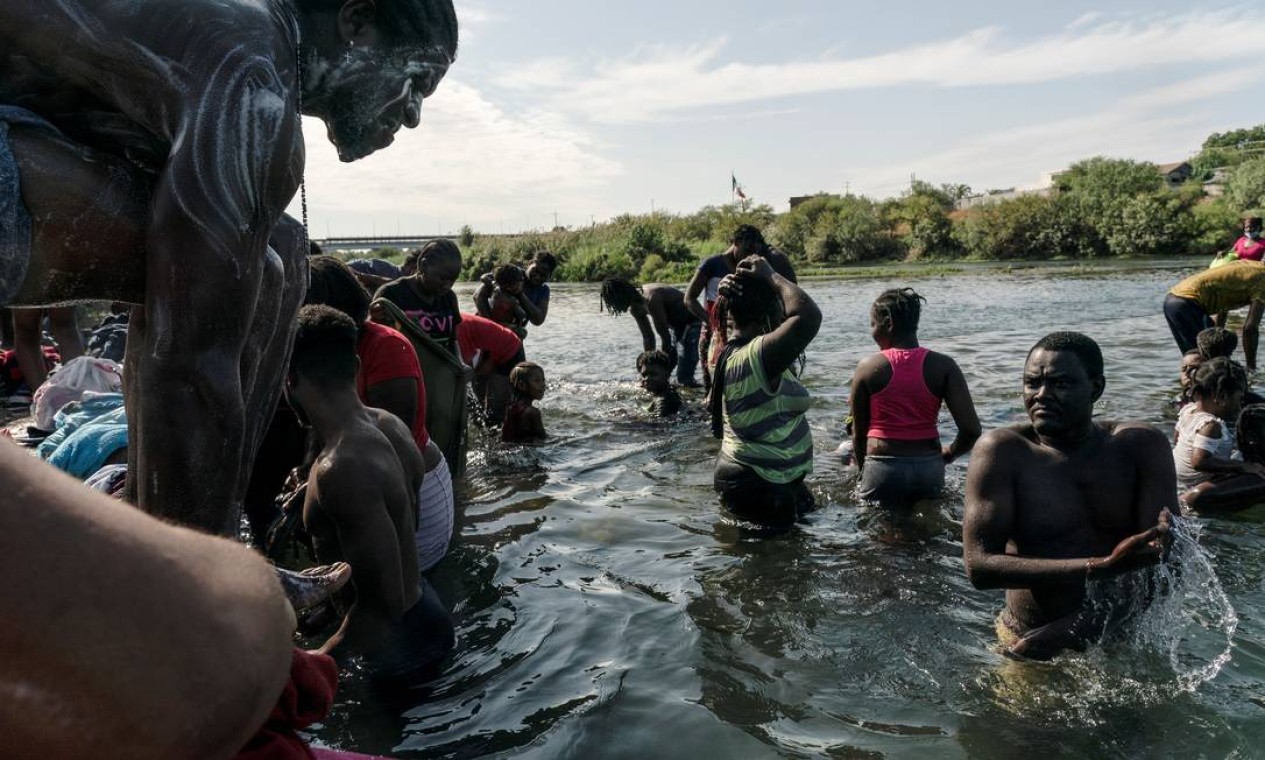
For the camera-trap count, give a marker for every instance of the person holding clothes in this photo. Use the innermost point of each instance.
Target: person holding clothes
(758, 405)
(426, 298)
(896, 398)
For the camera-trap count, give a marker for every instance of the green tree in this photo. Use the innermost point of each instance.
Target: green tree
(466, 238)
(1245, 190)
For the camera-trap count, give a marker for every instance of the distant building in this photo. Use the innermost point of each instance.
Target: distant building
(1175, 174)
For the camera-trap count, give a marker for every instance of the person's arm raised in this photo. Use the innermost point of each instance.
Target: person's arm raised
(536, 313)
(957, 397)
(788, 340)
(483, 296)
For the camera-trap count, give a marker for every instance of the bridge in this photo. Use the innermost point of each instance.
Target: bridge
(403, 242)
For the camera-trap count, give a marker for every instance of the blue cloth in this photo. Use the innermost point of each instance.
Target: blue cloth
(15, 222)
(376, 267)
(85, 450)
(85, 454)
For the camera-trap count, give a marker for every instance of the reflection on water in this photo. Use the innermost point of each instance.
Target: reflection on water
(606, 610)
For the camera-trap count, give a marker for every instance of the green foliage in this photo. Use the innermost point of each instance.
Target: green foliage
(1216, 225)
(929, 233)
(466, 238)
(1152, 224)
(829, 229)
(1245, 189)
(1025, 228)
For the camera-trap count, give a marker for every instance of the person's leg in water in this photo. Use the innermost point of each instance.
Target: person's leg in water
(687, 360)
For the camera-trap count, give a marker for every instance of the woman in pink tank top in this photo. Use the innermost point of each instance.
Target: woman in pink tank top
(896, 398)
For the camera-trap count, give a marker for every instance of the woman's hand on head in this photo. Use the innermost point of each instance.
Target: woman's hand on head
(755, 266)
(730, 286)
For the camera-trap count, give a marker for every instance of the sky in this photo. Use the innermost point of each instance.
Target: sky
(574, 111)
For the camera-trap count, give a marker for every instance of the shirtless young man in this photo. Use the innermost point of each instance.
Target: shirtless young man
(147, 152)
(659, 310)
(1063, 500)
(361, 506)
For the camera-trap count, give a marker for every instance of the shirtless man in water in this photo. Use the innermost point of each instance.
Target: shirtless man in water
(1063, 500)
(361, 506)
(147, 151)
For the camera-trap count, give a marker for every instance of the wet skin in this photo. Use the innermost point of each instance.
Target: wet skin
(181, 148)
(1050, 502)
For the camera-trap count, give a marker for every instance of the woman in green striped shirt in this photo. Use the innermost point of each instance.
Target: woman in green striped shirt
(758, 404)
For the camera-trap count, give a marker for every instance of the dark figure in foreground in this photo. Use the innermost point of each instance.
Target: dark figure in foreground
(1061, 501)
(895, 401)
(124, 636)
(361, 507)
(154, 146)
(659, 310)
(757, 402)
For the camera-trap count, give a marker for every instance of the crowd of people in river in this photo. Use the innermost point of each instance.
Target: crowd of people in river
(144, 635)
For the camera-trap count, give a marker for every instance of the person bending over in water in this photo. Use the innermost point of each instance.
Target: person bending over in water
(361, 507)
(1208, 472)
(895, 400)
(426, 298)
(757, 403)
(155, 146)
(664, 306)
(492, 350)
(1190, 305)
(522, 420)
(655, 367)
(1061, 500)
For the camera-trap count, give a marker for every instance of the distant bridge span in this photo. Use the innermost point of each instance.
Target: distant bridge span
(332, 244)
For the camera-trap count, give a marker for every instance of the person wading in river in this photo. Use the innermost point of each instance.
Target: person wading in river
(154, 146)
(1061, 500)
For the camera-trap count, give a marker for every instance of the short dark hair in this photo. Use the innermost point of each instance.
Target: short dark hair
(746, 233)
(653, 359)
(1216, 341)
(508, 274)
(324, 347)
(1218, 377)
(334, 284)
(428, 22)
(314, 248)
(902, 306)
(1250, 433)
(440, 248)
(1252, 219)
(1082, 345)
(546, 258)
(618, 295)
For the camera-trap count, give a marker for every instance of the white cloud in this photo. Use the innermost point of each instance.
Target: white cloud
(469, 161)
(1143, 127)
(658, 80)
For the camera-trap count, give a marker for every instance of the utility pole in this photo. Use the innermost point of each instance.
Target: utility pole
(652, 206)
(847, 188)
(555, 220)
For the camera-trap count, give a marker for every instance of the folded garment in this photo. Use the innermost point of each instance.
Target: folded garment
(109, 479)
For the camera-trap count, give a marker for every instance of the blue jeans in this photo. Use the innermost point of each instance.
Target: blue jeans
(687, 352)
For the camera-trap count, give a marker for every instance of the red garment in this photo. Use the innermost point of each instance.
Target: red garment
(905, 410)
(1251, 250)
(306, 698)
(475, 333)
(385, 354)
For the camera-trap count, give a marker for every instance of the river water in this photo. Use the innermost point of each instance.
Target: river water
(605, 609)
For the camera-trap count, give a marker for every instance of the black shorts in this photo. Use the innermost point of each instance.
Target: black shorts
(417, 644)
(751, 498)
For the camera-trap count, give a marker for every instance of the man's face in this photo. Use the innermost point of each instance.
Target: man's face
(538, 274)
(1058, 394)
(369, 92)
(439, 274)
(654, 378)
(1190, 363)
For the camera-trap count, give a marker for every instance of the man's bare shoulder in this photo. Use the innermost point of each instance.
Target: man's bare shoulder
(1009, 439)
(1137, 436)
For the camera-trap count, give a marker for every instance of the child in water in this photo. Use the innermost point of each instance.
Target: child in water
(655, 367)
(1203, 440)
(522, 419)
(502, 306)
